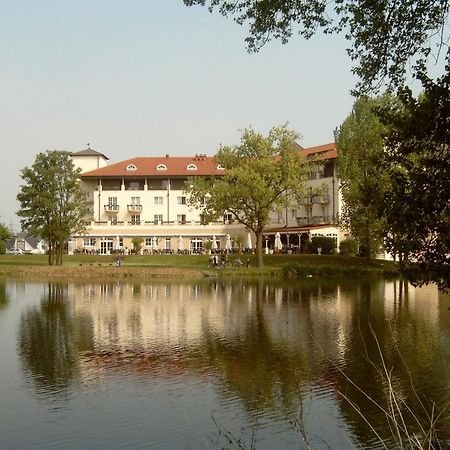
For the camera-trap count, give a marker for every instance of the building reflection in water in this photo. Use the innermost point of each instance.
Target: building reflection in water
(271, 345)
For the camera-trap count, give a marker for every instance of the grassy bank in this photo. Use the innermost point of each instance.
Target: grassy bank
(190, 266)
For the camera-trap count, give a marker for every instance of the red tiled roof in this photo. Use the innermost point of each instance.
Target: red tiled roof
(147, 166)
(178, 165)
(323, 151)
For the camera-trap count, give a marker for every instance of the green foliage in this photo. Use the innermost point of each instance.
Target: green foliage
(5, 232)
(326, 244)
(262, 174)
(389, 38)
(207, 245)
(360, 143)
(417, 206)
(2, 247)
(53, 206)
(348, 247)
(137, 244)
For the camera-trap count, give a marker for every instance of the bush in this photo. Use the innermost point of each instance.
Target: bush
(2, 247)
(327, 245)
(348, 247)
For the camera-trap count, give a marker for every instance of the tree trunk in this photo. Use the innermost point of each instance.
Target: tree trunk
(367, 240)
(50, 253)
(60, 253)
(259, 248)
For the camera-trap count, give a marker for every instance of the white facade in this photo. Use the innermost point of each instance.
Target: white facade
(145, 198)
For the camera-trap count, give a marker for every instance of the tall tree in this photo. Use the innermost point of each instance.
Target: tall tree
(5, 232)
(417, 160)
(387, 37)
(53, 205)
(262, 174)
(360, 143)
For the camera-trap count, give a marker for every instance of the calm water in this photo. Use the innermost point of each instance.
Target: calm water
(213, 364)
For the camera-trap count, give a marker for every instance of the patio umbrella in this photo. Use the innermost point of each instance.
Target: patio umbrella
(228, 243)
(214, 243)
(278, 244)
(249, 241)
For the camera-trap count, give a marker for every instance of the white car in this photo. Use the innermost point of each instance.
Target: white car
(14, 251)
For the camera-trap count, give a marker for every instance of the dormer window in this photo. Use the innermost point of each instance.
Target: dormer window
(131, 167)
(191, 167)
(161, 167)
(220, 167)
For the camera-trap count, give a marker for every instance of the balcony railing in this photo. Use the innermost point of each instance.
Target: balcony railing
(314, 220)
(152, 222)
(112, 208)
(325, 198)
(134, 208)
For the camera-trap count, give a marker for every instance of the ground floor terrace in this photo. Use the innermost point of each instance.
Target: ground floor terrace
(107, 239)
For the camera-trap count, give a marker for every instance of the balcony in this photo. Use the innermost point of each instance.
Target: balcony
(134, 208)
(112, 208)
(322, 199)
(307, 200)
(314, 220)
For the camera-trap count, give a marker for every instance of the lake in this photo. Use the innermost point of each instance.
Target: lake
(212, 364)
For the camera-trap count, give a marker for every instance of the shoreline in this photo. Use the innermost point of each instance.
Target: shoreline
(95, 271)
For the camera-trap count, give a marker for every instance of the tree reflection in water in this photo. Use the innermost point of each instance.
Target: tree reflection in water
(50, 340)
(3, 295)
(272, 346)
(397, 348)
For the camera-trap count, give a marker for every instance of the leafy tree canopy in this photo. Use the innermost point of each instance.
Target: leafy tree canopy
(53, 205)
(262, 174)
(5, 232)
(360, 143)
(388, 36)
(417, 161)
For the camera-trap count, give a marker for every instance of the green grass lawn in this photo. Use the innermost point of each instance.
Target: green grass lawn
(309, 262)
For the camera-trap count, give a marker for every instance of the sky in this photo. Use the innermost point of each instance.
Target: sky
(152, 77)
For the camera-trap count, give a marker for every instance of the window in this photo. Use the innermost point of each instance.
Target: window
(158, 200)
(131, 167)
(89, 242)
(220, 167)
(181, 218)
(157, 218)
(328, 170)
(196, 245)
(293, 213)
(181, 200)
(280, 216)
(191, 167)
(112, 219)
(165, 184)
(112, 201)
(161, 167)
(309, 212)
(168, 244)
(227, 218)
(135, 219)
(152, 242)
(136, 201)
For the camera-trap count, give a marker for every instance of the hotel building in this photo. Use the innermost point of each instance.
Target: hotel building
(145, 197)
